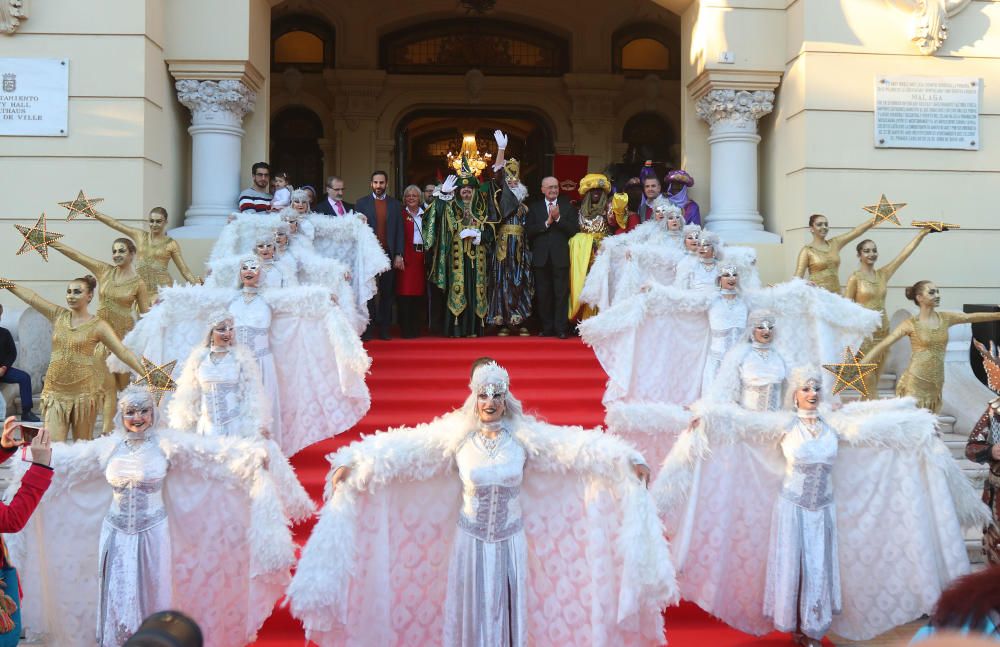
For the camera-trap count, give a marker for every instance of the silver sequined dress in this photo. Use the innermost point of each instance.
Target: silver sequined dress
(485, 605)
(727, 321)
(135, 567)
(253, 330)
(762, 376)
(803, 574)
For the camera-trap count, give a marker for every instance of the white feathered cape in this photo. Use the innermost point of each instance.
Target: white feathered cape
(654, 345)
(901, 502)
(320, 361)
(375, 569)
(232, 550)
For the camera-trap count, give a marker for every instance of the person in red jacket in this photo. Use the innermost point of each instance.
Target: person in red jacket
(14, 515)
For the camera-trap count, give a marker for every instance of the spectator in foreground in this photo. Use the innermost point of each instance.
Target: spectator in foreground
(11, 375)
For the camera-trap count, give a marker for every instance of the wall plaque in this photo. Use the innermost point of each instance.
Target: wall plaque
(927, 112)
(34, 97)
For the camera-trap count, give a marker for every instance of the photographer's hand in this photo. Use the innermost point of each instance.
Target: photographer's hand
(7, 440)
(41, 449)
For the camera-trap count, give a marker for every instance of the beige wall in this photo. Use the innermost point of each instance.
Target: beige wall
(126, 139)
(818, 153)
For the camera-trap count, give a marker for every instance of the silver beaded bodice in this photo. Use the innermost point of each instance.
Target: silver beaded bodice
(808, 481)
(253, 323)
(491, 487)
(220, 393)
(136, 471)
(762, 376)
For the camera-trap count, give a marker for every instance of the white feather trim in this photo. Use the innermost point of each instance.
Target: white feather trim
(646, 418)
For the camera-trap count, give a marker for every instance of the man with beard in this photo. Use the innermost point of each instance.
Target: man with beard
(457, 237)
(511, 286)
(385, 216)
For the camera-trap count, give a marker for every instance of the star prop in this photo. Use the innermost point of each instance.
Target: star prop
(885, 211)
(81, 206)
(5, 283)
(934, 225)
(37, 237)
(851, 373)
(157, 378)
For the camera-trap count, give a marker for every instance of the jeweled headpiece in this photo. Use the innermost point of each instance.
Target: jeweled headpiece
(491, 379)
(662, 205)
(250, 264)
(135, 395)
(991, 364)
(593, 181)
(466, 176)
(264, 238)
(512, 168)
(218, 316)
(692, 231)
(282, 228)
(759, 319)
(708, 239)
(681, 176)
(803, 375)
(727, 270)
(647, 171)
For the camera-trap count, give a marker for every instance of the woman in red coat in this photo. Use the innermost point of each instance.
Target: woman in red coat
(411, 281)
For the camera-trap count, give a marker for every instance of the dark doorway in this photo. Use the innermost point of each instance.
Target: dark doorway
(649, 137)
(295, 148)
(424, 138)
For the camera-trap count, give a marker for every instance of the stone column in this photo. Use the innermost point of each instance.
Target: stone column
(217, 111)
(732, 118)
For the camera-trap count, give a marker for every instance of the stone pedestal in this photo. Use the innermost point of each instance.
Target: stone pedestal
(732, 118)
(217, 111)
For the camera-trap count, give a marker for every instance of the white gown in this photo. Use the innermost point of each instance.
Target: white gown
(253, 330)
(487, 594)
(135, 568)
(275, 274)
(762, 375)
(693, 274)
(727, 319)
(803, 573)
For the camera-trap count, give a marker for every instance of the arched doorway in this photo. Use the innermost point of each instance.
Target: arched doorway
(647, 136)
(295, 135)
(425, 136)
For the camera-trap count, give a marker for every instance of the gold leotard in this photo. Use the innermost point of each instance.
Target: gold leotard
(871, 294)
(153, 259)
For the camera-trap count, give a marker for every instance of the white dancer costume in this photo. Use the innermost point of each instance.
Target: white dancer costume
(752, 504)
(624, 263)
(130, 526)
(654, 346)
(221, 394)
(544, 513)
(727, 321)
(320, 372)
(350, 240)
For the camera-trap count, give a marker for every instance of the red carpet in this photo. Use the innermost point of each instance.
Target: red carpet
(412, 381)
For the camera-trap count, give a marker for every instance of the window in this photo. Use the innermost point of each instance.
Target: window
(303, 42)
(642, 49)
(456, 46)
(298, 47)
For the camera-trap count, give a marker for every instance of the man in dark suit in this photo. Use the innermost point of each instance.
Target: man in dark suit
(333, 204)
(385, 217)
(551, 222)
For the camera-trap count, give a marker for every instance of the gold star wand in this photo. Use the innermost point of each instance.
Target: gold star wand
(81, 206)
(37, 237)
(934, 225)
(851, 373)
(885, 211)
(157, 378)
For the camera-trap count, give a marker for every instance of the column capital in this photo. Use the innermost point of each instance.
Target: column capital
(225, 101)
(734, 108)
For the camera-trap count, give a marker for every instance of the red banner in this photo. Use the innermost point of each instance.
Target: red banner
(569, 170)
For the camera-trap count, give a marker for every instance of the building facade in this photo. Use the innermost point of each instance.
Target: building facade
(769, 104)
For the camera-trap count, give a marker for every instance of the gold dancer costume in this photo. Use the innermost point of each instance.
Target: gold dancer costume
(924, 377)
(156, 250)
(821, 257)
(72, 392)
(868, 289)
(120, 291)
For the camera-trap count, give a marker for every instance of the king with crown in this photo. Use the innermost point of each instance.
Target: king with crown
(457, 235)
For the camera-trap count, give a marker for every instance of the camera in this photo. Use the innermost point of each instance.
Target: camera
(25, 432)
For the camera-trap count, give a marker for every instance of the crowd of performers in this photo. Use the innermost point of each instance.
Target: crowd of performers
(728, 475)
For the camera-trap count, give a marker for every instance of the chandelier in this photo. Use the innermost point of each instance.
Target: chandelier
(470, 150)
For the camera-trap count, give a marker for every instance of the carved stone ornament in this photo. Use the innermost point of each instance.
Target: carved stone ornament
(224, 100)
(929, 20)
(11, 13)
(739, 108)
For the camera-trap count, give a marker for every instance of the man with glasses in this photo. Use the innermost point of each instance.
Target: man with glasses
(334, 204)
(257, 199)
